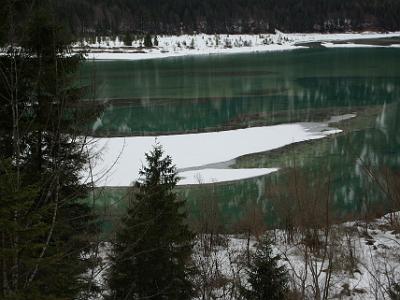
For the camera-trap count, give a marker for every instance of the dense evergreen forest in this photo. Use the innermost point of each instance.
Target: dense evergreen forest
(46, 229)
(106, 17)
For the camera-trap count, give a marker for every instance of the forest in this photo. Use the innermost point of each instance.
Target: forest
(106, 17)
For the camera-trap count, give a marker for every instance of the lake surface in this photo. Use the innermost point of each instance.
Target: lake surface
(221, 92)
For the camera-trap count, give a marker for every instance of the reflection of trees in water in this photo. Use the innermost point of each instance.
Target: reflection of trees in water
(289, 104)
(209, 92)
(344, 158)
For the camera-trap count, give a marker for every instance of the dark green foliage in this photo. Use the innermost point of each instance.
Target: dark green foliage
(44, 227)
(12, 14)
(152, 253)
(147, 41)
(3, 24)
(228, 16)
(267, 280)
(128, 39)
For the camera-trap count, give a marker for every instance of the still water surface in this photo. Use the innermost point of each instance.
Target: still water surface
(220, 92)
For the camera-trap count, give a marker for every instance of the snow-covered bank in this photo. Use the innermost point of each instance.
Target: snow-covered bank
(358, 45)
(155, 53)
(362, 261)
(203, 44)
(348, 45)
(121, 158)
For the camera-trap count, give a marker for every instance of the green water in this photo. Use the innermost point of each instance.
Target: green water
(209, 93)
(191, 94)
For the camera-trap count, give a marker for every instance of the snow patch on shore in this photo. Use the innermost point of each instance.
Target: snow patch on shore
(204, 44)
(351, 45)
(154, 54)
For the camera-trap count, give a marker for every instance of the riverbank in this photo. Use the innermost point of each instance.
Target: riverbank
(353, 260)
(204, 44)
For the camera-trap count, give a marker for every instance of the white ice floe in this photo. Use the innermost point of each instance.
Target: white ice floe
(203, 176)
(122, 158)
(203, 44)
(350, 45)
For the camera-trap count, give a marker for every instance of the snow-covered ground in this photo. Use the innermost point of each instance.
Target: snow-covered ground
(196, 155)
(363, 260)
(201, 44)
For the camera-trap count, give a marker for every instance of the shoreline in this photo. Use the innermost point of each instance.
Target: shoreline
(204, 44)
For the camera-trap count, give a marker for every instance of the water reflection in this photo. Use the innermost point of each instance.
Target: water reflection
(195, 94)
(370, 145)
(306, 99)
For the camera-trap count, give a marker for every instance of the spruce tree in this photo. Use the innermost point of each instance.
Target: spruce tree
(128, 39)
(151, 257)
(44, 225)
(267, 280)
(147, 41)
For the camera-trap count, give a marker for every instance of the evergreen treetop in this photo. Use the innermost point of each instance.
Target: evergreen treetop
(152, 253)
(267, 280)
(128, 39)
(147, 41)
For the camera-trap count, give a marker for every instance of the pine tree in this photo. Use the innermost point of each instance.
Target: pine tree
(152, 254)
(267, 280)
(147, 41)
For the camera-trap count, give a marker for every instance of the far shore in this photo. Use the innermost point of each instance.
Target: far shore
(203, 44)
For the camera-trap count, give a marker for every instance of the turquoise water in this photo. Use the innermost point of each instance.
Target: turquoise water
(197, 93)
(217, 92)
